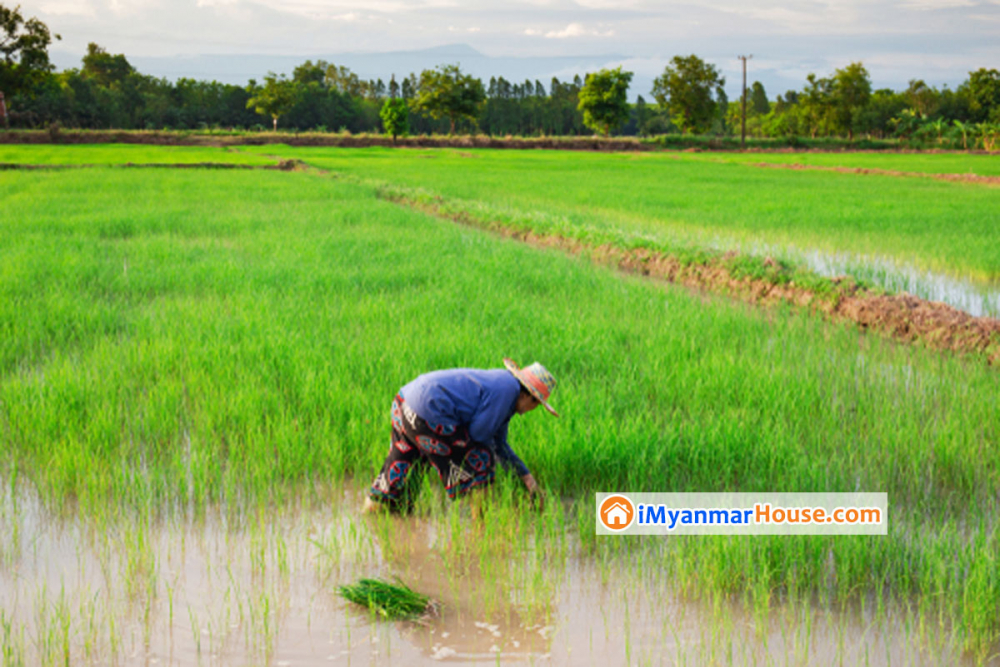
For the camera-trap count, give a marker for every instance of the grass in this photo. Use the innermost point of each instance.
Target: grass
(109, 154)
(922, 163)
(696, 201)
(395, 602)
(234, 338)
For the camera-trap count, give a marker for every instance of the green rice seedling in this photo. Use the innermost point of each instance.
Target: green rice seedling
(246, 355)
(390, 601)
(913, 163)
(120, 154)
(11, 641)
(933, 225)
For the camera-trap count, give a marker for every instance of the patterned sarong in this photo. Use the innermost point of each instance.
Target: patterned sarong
(461, 464)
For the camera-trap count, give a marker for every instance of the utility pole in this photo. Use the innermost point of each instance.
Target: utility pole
(743, 114)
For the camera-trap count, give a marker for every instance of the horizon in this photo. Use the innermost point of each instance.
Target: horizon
(366, 64)
(938, 41)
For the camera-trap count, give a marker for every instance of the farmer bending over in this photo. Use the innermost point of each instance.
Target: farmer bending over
(457, 421)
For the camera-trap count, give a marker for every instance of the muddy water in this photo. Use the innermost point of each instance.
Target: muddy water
(258, 587)
(977, 298)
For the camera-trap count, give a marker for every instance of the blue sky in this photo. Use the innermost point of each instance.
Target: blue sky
(939, 41)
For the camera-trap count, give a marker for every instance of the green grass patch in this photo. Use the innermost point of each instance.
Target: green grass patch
(921, 163)
(111, 154)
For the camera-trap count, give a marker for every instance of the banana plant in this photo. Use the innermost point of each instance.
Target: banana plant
(964, 129)
(938, 125)
(988, 136)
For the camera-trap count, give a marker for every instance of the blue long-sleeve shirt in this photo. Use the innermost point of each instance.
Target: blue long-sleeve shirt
(483, 401)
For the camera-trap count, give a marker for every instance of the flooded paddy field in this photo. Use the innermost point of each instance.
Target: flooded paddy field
(193, 362)
(243, 587)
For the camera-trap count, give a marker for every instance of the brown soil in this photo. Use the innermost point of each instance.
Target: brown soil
(283, 165)
(581, 143)
(614, 144)
(966, 178)
(901, 316)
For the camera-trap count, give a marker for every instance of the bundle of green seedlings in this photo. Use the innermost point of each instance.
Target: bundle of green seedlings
(395, 602)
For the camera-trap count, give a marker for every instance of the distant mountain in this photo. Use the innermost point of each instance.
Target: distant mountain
(448, 50)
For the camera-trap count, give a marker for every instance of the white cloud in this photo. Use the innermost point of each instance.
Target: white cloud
(575, 30)
(929, 5)
(66, 8)
(610, 4)
(328, 8)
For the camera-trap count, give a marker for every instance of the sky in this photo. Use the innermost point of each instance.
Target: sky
(939, 41)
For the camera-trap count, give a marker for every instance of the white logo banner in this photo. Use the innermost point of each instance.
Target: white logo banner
(742, 513)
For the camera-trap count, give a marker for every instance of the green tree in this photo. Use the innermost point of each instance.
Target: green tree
(689, 91)
(882, 108)
(850, 92)
(104, 68)
(446, 92)
(642, 115)
(345, 81)
(758, 99)
(274, 98)
(814, 105)
(395, 115)
(984, 91)
(309, 72)
(604, 99)
(921, 98)
(24, 54)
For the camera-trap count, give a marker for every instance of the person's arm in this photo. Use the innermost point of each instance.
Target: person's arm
(506, 456)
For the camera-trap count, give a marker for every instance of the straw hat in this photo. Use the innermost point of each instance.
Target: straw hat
(538, 381)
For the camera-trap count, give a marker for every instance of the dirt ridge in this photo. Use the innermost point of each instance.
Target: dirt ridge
(903, 317)
(283, 165)
(362, 140)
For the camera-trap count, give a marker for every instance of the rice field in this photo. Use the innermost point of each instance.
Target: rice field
(981, 164)
(118, 154)
(196, 368)
(700, 200)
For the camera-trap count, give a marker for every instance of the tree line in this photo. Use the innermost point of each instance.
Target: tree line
(107, 92)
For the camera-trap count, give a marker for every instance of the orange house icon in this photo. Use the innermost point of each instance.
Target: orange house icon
(616, 513)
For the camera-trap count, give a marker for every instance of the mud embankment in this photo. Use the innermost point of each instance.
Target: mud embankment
(904, 317)
(283, 165)
(225, 138)
(613, 144)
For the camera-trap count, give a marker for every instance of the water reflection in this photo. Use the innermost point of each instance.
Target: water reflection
(977, 298)
(258, 587)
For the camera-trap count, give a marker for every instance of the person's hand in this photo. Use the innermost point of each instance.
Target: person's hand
(536, 491)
